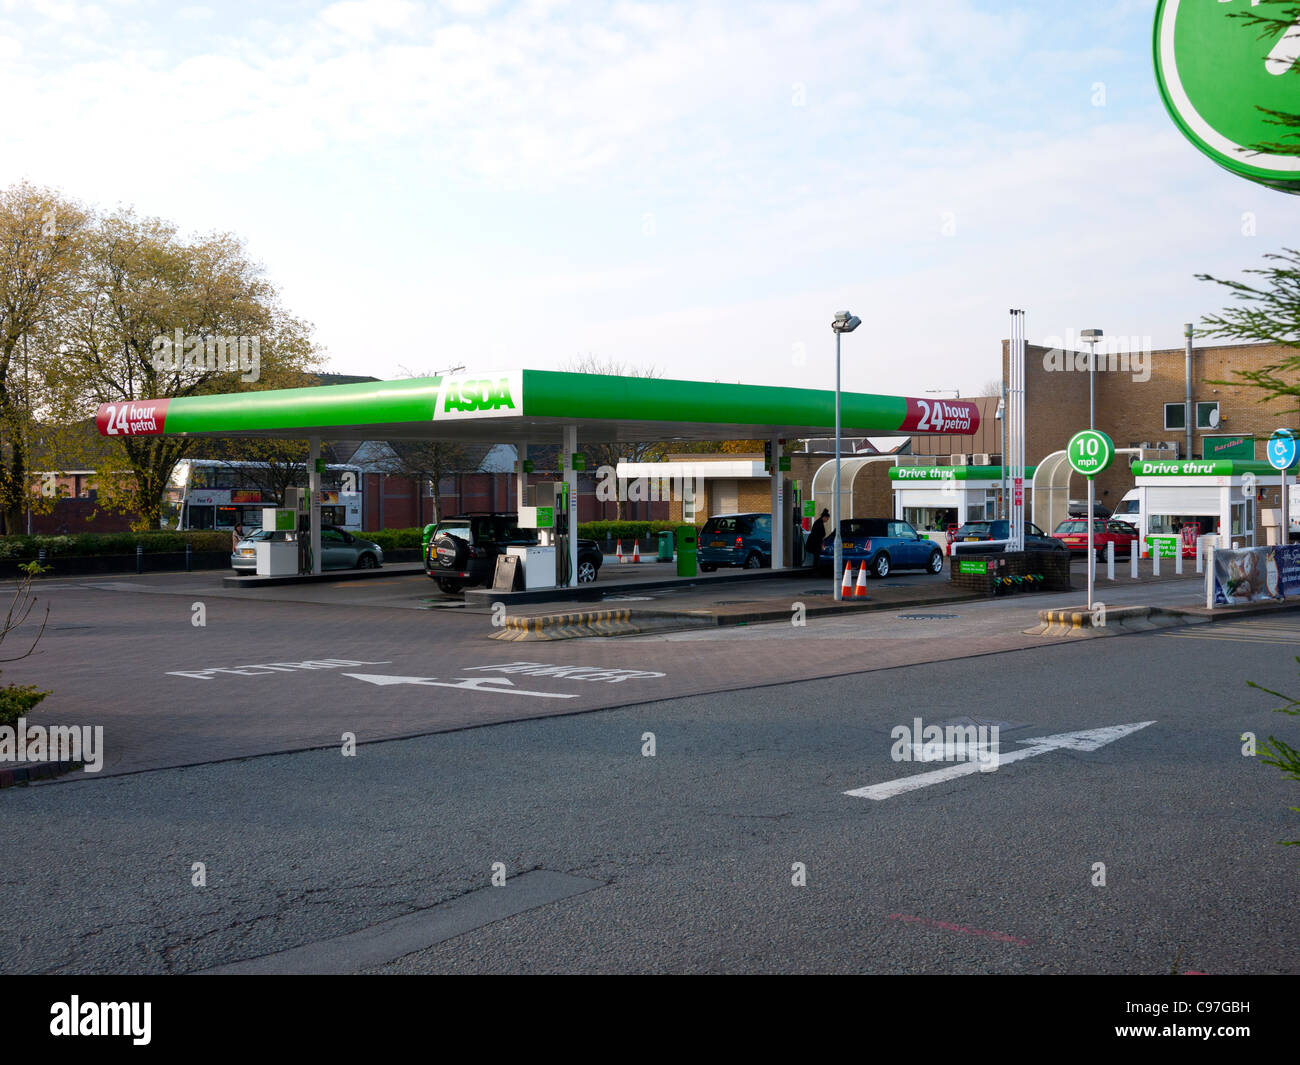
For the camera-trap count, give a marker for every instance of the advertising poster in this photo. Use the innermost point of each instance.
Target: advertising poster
(1256, 574)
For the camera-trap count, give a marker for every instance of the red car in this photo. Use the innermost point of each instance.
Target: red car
(1073, 532)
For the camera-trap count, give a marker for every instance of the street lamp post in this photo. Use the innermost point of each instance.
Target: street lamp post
(843, 323)
(1090, 337)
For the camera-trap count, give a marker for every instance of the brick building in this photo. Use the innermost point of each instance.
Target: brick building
(1140, 401)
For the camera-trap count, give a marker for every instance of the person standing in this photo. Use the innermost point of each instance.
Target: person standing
(816, 537)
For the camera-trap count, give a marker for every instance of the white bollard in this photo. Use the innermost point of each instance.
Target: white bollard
(1133, 556)
(1200, 555)
(1155, 560)
(1178, 559)
(1110, 561)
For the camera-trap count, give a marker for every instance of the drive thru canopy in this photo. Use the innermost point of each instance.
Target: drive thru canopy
(538, 406)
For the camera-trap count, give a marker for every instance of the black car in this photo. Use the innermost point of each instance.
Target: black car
(461, 552)
(1035, 538)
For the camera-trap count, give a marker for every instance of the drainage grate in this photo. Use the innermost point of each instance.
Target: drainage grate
(927, 617)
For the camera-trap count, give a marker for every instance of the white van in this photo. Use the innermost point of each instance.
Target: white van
(1130, 509)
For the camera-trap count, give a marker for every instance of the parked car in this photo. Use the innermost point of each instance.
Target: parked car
(883, 544)
(1035, 538)
(1074, 534)
(736, 540)
(339, 549)
(461, 552)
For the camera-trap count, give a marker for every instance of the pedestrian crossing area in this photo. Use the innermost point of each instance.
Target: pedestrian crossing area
(1269, 631)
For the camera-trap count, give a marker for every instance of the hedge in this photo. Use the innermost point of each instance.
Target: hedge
(394, 539)
(89, 544)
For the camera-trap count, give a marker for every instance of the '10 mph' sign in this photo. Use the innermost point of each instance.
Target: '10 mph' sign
(1090, 452)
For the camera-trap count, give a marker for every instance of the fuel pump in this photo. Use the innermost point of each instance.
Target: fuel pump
(555, 495)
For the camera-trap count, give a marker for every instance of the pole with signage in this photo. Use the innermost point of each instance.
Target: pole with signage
(1281, 456)
(1089, 453)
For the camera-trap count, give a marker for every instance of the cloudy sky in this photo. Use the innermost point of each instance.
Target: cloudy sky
(694, 186)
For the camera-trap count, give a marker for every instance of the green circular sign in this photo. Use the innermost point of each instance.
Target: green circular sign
(1216, 71)
(1090, 452)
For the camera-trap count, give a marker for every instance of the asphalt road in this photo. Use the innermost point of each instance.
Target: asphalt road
(689, 853)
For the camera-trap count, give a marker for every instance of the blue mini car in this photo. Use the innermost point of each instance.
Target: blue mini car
(884, 545)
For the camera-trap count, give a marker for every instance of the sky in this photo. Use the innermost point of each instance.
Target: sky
(691, 187)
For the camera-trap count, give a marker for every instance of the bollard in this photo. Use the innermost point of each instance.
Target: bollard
(40, 556)
(1178, 560)
(139, 558)
(1133, 562)
(1200, 556)
(189, 558)
(1110, 561)
(1155, 560)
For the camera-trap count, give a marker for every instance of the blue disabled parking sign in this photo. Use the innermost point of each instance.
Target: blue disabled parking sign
(1282, 449)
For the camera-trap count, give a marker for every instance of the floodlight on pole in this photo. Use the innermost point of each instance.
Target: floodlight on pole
(1090, 337)
(844, 322)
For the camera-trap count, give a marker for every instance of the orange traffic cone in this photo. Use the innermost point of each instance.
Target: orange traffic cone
(846, 585)
(861, 587)
(636, 550)
(620, 550)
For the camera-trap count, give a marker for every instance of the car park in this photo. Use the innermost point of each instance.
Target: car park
(339, 549)
(736, 540)
(1073, 532)
(883, 544)
(1035, 538)
(461, 552)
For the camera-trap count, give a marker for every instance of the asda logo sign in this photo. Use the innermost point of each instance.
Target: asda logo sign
(471, 395)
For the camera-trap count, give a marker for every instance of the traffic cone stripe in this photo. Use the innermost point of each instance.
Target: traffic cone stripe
(860, 589)
(846, 586)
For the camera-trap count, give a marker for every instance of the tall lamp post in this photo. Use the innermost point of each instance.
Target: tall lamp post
(1090, 337)
(843, 323)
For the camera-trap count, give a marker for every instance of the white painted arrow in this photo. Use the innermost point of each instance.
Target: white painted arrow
(1088, 740)
(475, 684)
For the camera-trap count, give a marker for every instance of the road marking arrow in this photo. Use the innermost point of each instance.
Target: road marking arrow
(1087, 740)
(474, 684)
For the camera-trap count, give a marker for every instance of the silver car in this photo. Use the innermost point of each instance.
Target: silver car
(339, 549)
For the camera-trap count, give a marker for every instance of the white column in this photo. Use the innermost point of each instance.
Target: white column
(779, 516)
(313, 494)
(571, 479)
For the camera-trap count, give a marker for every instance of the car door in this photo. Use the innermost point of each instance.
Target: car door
(335, 553)
(902, 550)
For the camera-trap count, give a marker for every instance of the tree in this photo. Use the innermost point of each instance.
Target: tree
(1268, 313)
(1281, 755)
(611, 452)
(41, 236)
(141, 287)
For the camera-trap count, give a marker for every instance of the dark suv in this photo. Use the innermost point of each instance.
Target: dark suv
(461, 552)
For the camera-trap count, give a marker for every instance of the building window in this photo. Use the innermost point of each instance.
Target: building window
(1175, 416)
(1207, 415)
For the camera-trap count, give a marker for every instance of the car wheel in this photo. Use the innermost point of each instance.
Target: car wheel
(586, 571)
(936, 562)
(880, 567)
(368, 561)
(448, 587)
(754, 561)
(707, 567)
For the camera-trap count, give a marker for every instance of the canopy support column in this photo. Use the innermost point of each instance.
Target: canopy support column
(571, 479)
(521, 479)
(313, 499)
(779, 517)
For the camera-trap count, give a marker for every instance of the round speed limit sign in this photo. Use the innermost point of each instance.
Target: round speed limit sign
(1225, 70)
(1090, 452)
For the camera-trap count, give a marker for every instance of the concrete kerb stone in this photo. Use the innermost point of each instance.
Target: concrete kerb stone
(1079, 621)
(586, 623)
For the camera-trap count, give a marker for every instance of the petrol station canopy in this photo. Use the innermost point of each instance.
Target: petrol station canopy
(535, 406)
